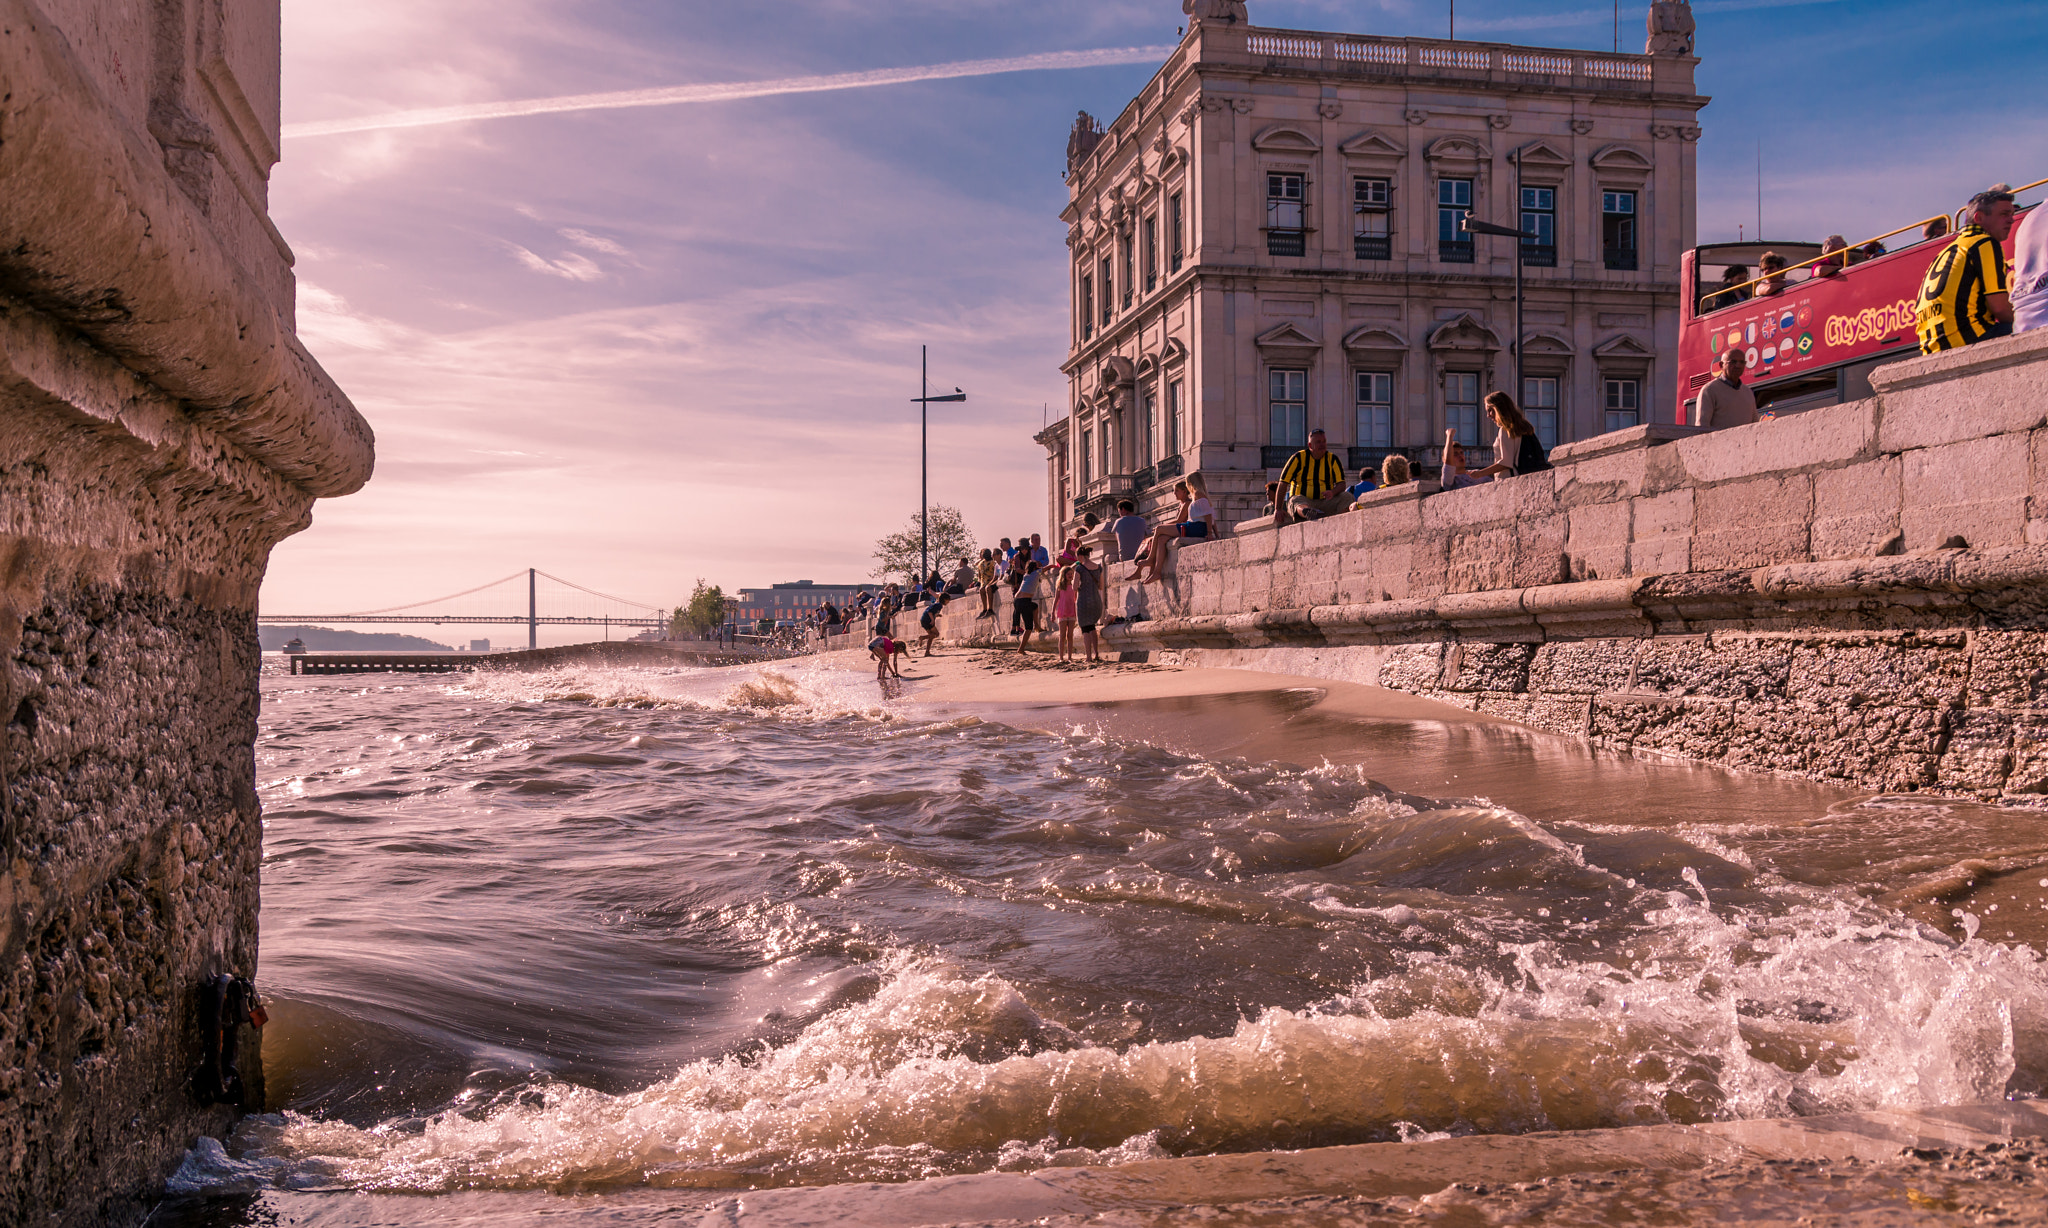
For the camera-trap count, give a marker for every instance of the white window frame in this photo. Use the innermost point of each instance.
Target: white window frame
(1287, 406)
(1540, 405)
(1374, 403)
(1623, 402)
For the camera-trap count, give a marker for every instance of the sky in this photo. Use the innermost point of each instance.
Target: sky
(634, 347)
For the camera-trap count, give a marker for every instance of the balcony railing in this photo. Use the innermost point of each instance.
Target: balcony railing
(1286, 243)
(1621, 258)
(1169, 469)
(1372, 247)
(1435, 58)
(1454, 251)
(1539, 255)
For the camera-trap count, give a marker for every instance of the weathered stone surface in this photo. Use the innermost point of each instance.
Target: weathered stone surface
(1597, 541)
(2029, 773)
(1565, 714)
(1488, 667)
(1738, 669)
(2008, 669)
(1975, 489)
(1979, 751)
(1752, 523)
(1696, 729)
(1855, 510)
(161, 429)
(1583, 667)
(1851, 678)
(1414, 667)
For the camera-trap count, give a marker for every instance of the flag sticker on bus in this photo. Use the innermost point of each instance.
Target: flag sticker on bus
(1805, 343)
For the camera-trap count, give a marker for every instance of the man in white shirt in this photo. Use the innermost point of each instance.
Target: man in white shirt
(1724, 402)
(2030, 271)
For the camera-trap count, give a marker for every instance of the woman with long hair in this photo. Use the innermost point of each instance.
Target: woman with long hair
(1515, 446)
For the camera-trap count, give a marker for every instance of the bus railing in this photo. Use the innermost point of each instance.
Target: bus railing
(1844, 252)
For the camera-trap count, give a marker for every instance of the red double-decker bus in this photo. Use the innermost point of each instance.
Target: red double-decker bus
(1816, 340)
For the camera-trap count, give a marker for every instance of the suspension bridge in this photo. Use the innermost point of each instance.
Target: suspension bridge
(565, 602)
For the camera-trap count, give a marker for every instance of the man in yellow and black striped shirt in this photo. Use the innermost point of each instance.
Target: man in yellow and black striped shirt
(1964, 298)
(1315, 478)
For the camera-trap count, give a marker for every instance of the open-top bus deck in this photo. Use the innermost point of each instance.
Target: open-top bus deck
(1816, 340)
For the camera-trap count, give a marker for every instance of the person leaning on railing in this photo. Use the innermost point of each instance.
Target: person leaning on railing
(1964, 298)
(1315, 477)
(1732, 292)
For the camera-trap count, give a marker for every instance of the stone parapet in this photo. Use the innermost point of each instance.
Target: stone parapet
(161, 428)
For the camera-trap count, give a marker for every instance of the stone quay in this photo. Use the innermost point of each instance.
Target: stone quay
(161, 428)
(1856, 593)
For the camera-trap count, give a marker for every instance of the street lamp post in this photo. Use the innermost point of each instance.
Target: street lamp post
(924, 481)
(1507, 232)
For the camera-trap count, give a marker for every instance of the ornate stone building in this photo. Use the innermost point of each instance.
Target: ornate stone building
(1267, 241)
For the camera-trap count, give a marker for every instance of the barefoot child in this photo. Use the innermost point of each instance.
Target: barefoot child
(929, 622)
(1066, 607)
(885, 651)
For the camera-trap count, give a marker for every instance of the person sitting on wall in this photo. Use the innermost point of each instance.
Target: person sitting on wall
(1771, 269)
(1314, 478)
(1454, 476)
(1197, 522)
(1732, 290)
(963, 579)
(1515, 446)
(985, 580)
(1129, 529)
(1965, 298)
(1724, 402)
(1396, 471)
(1367, 482)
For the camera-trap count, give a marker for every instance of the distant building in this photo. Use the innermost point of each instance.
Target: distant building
(795, 599)
(479, 645)
(1267, 240)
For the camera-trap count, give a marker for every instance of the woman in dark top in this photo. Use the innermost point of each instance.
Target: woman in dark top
(1515, 446)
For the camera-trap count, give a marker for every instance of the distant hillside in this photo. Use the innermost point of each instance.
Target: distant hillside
(322, 639)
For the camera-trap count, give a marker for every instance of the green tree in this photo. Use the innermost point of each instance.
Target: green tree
(898, 553)
(705, 611)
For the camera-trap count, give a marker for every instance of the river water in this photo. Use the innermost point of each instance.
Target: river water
(720, 928)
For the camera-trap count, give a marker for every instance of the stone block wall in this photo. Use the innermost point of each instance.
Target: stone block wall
(1856, 593)
(161, 429)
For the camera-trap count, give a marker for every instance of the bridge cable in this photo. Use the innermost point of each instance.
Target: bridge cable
(431, 600)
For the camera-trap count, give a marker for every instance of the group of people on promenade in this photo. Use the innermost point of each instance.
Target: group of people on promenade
(1312, 484)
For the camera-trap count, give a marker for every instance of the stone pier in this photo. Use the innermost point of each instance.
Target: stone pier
(1857, 593)
(161, 429)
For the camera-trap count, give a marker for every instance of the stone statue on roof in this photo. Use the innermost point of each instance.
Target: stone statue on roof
(1215, 10)
(1671, 28)
(1081, 142)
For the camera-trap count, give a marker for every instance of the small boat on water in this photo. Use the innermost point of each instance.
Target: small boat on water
(295, 647)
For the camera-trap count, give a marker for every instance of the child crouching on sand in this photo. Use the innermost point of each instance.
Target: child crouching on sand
(885, 651)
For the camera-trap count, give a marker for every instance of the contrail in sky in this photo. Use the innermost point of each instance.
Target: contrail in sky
(726, 91)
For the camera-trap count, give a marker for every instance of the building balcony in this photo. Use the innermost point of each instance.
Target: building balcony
(1169, 469)
(1372, 247)
(1454, 251)
(1286, 243)
(1539, 255)
(1621, 258)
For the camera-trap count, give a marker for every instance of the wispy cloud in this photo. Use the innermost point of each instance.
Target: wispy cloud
(571, 265)
(727, 91)
(1631, 15)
